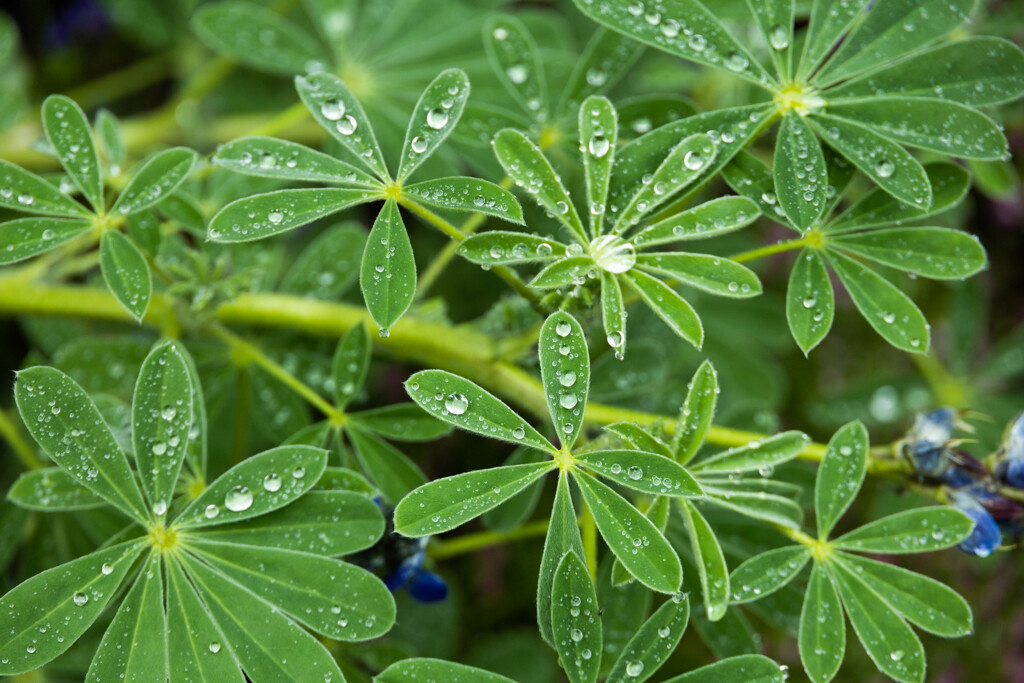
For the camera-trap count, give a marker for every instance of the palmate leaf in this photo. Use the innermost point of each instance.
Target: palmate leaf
(912, 531)
(497, 247)
(937, 253)
(256, 36)
(647, 472)
(68, 131)
(801, 179)
(141, 624)
(21, 190)
(563, 538)
(635, 541)
(445, 504)
(158, 178)
(840, 475)
(425, 670)
(459, 402)
(810, 302)
(739, 669)
(63, 602)
(516, 62)
(126, 272)
(51, 488)
(262, 215)
(529, 168)
(387, 275)
(883, 305)
(66, 423)
(162, 411)
(273, 158)
(266, 643)
(822, 627)
(766, 573)
(575, 622)
(712, 274)
(332, 598)
(468, 194)
(327, 523)
(261, 484)
(433, 119)
(27, 237)
(565, 374)
(393, 473)
(707, 552)
(654, 641)
(696, 414)
(598, 125)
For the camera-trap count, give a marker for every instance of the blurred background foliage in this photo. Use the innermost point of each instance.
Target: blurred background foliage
(141, 60)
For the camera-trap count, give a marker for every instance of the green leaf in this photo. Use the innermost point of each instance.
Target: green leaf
(256, 486)
(445, 504)
(462, 403)
(655, 640)
(161, 421)
(881, 159)
(435, 116)
(401, 422)
(134, 647)
(481, 122)
(342, 479)
(775, 19)
(391, 470)
(51, 489)
(658, 512)
(255, 36)
(626, 605)
(635, 541)
(529, 168)
(262, 215)
(928, 123)
(498, 247)
(760, 454)
(351, 363)
(669, 306)
(111, 139)
(696, 414)
(713, 274)
(516, 62)
(613, 312)
(714, 574)
(883, 305)
(126, 273)
(978, 71)
(468, 194)
(752, 178)
(564, 272)
(822, 627)
(68, 131)
(891, 644)
(335, 108)
(937, 253)
(575, 622)
(766, 573)
(425, 670)
(21, 190)
(330, 597)
(50, 601)
(158, 178)
(387, 275)
(639, 439)
(268, 644)
(911, 531)
(810, 302)
(801, 179)
(756, 504)
(192, 636)
(599, 126)
(878, 208)
(329, 265)
(830, 20)
(65, 422)
(739, 669)
(274, 158)
(321, 522)
(891, 30)
(606, 58)
(840, 475)
(705, 41)
(563, 538)
(514, 512)
(684, 163)
(196, 451)
(565, 374)
(648, 472)
(26, 237)
(924, 602)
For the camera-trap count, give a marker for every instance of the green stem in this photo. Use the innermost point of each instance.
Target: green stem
(117, 84)
(588, 529)
(777, 248)
(9, 431)
(468, 543)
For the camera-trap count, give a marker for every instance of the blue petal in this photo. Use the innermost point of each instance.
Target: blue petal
(985, 536)
(427, 587)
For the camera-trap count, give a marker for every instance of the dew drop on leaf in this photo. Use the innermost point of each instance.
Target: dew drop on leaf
(238, 499)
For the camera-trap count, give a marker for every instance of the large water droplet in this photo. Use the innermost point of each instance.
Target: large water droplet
(272, 482)
(437, 118)
(80, 599)
(238, 499)
(332, 109)
(456, 403)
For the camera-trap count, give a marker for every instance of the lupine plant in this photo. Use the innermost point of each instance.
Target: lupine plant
(222, 463)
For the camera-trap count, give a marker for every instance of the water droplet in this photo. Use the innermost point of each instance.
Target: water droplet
(693, 160)
(347, 125)
(885, 168)
(567, 379)
(80, 599)
(634, 668)
(211, 511)
(613, 254)
(238, 499)
(332, 109)
(456, 404)
(418, 145)
(518, 74)
(519, 432)
(563, 329)
(107, 569)
(568, 401)
(298, 473)
(635, 473)
(437, 118)
(576, 635)
(215, 647)
(159, 507)
(275, 217)
(779, 37)
(599, 146)
(272, 482)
